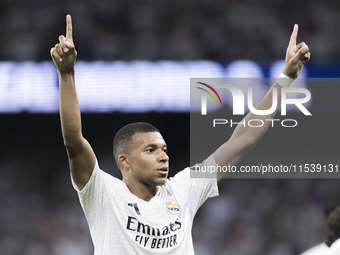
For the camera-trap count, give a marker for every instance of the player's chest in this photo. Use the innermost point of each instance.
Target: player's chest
(157, 224)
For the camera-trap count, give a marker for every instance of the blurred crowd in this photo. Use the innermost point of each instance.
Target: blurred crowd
(221, 30)
(267, 216)
(40, 213)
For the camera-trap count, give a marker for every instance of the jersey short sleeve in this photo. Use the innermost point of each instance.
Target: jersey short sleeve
(92, 195)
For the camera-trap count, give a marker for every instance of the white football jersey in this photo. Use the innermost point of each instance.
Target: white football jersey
(122, 223)
(320, 249)
(335, 247)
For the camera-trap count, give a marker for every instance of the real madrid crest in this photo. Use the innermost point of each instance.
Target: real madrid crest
(172, 208)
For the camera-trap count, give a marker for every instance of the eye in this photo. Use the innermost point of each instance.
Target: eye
(150, 150)
(165, 150)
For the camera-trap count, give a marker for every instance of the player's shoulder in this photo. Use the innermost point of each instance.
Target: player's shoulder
(195, 172)
(321, 248)
(106, 178)
(180, 176)
(109, 178)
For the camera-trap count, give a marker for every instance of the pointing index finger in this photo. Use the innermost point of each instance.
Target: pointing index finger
(293, 37)
(68, 27)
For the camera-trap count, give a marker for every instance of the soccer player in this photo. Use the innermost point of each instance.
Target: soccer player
(332, 244)
(147, 213)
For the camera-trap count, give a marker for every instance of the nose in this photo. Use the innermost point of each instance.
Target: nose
(163, 156)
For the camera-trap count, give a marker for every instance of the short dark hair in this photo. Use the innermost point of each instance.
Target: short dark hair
(123, 138)
(333, 226)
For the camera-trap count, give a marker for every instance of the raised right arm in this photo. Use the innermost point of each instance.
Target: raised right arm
(80, 154)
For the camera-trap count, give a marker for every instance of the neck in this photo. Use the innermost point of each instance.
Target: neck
(142, 191)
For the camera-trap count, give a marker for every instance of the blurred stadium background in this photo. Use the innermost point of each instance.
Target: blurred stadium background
(151, 49)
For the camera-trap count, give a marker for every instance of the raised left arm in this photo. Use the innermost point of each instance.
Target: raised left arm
(244, 138)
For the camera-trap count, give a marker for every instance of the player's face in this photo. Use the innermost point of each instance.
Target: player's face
(149, 163)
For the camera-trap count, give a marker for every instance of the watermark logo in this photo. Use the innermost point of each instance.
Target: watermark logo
(204, 98)
(246, 94)
(239, 99)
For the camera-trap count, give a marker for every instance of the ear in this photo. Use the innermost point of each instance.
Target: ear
(123, 161)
